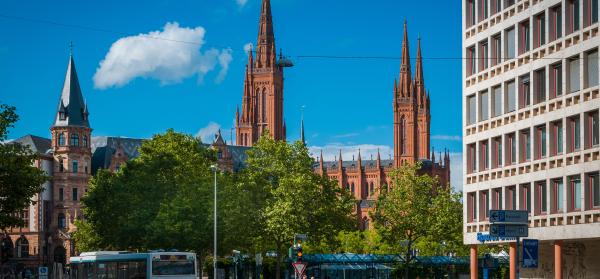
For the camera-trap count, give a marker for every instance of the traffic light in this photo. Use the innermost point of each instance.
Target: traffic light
(299, 253)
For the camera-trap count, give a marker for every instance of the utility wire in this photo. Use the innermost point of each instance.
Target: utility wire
(350, 57)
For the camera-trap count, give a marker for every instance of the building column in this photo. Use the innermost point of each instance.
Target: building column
(474, 266)
(558, 259)
(513, 260)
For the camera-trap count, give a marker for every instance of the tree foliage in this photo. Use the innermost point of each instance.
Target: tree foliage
(20, 180)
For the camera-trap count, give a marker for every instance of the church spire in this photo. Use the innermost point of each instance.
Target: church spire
(419, 79)
(265, 45)
(405, 79)
(72, 109)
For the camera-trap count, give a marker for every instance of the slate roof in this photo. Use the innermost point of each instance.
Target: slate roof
(37, 144)
(71, 101)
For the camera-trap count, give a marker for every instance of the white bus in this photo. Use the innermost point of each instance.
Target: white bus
(129, 265)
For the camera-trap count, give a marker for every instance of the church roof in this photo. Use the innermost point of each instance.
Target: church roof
(71, 103)
(37, 144)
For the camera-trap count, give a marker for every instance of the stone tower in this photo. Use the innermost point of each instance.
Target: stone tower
(411, 110)
(262, 102)
(71, 141)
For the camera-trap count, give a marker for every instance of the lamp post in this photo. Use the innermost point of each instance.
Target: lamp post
(214, 169)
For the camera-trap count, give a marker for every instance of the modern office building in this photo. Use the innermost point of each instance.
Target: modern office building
(530, 126)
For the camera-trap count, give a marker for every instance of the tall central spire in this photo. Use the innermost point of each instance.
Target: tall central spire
(405, 73)
(265, 51)
(72, 109)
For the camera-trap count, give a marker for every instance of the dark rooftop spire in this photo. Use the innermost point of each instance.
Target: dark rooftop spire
(72, 109)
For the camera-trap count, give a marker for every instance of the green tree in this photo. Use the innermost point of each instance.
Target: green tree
(278, 195)
(162, 199)
(415, 212)
(19, 179)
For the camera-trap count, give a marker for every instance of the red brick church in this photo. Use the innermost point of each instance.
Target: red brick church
(262, 109)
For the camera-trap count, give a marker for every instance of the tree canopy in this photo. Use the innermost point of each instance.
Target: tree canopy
(20, 180)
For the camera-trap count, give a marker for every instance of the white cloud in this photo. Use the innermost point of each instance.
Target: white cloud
(248, 47)
(169, 56)
(348, 135)
(446, 137)
(241, 3)
(207, 134)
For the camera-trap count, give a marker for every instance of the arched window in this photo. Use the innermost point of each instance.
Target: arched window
(372, 189)
(264, 105)
(403, 135)
(75, 167)
(85, 141)
(352, 188)
(61, 165)
(74, 140)
(347, 186)
(61, 139)
(62, 221)
(6, 248)
(60, 255)
(365, 223)
(22, 246)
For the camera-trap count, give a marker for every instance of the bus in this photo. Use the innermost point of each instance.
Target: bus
(129, 265)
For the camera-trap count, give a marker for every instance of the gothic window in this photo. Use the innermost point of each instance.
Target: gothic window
(352, 188)
(74, 140)
(22, 247)
(62, 221)
(85, 141)
(372, 190)
(264, 105)
(75, 166)
(365, 223)
(61, 165)
(61, 139)
(6, 248)
(403, 135)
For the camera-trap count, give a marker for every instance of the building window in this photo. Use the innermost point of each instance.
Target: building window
(403, 135)
(556, 80)
(22, 247)
(484, 155)
(556, 142)
(61, 165)
(471, 66)
(496, 6)
(524, 91)
(484, 106)
(591, 69)
(62, 221)
(555, 22)
(540, 142)
(75, 167)
(573, 133)
(61, 139)
(524, 145)
(511, 149)
(352, 188)
(472, 109)
(470, 13)
(524, 37)
(497, 152)
(508, 3)
(572, 13)
(471, 158)
(75, 196)
(511, 96)
(497, 199)
(558, 194)
(590, 12)
(74, 140)
(511, 198)
(471, 207)
(592, 137)
(484, 205)
(483, 55)
(510, 52)
(85, 141)
(525, 198)
(496, 54)
(496, 101)
(483, 9)
(593, 190)
(574, 193)
(573, 74)
(61, 194)
(539, 89)
(539, 37)
(541, 197)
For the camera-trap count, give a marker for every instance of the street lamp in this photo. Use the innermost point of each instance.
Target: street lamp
(214, 169)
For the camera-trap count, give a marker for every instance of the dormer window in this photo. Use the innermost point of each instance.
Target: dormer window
(85, 141)
(62, 115)
(74, 140)
(61, 139)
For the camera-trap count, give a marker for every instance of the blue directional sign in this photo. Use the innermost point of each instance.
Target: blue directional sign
(509, 230)
(509, 216)
(530, 253)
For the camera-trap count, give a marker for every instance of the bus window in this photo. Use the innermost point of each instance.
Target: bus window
(90, 270)
(111, 270)
(137, 270)
(122, 271)
(173, 267)
(101, 271)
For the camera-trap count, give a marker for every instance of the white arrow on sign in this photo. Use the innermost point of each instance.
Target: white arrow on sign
(299, 268)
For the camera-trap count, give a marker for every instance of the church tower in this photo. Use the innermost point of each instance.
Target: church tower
(71, 146)
(411, 110)
(262, 101)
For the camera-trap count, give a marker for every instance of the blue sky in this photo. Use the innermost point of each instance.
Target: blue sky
(348, 102)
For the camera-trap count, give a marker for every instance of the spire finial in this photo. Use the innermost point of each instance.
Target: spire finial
(302, 124)
(71, 48)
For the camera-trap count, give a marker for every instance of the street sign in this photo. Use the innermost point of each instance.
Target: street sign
(509, 216)
(509, 230)
(530, 253)
(299, 267)
(43, 272)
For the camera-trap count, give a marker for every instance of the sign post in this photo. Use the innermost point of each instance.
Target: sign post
(530, 253)
(511, 223)
(299, 268)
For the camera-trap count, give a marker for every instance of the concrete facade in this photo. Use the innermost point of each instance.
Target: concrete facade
(530, 126)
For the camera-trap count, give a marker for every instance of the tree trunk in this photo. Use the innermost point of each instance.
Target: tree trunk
(279, 260)
(407, 262)
(200, 257)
